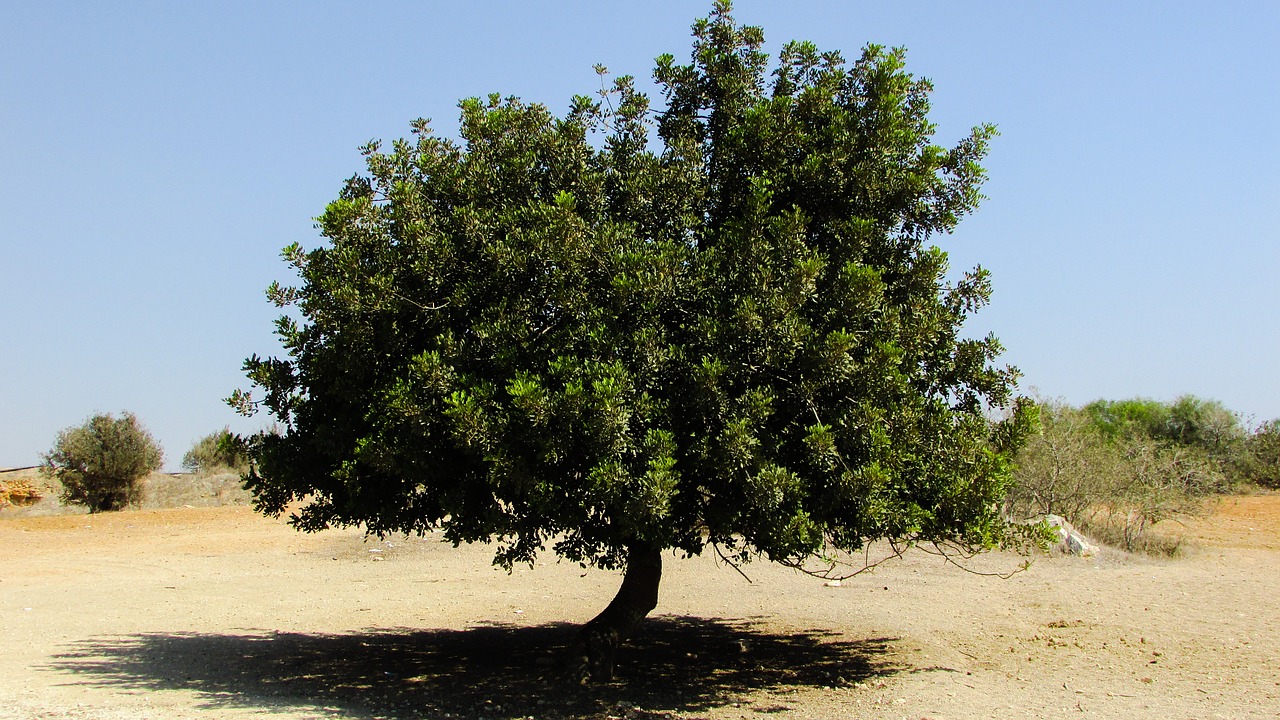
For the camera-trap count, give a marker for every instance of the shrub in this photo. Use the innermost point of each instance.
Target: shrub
(1188, 420)
(101, 462)
(216, 450)
(1260, 459)
(1136, 417)
(1157, 482)
(1066, 468)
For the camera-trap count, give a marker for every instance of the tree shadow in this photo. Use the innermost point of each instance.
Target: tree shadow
(494, 671)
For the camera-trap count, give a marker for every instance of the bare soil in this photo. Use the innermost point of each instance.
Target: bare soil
(215, 612)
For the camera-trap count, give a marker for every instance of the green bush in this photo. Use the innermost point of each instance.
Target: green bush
(217, 450)
(1260, 459)
(1135, 417)
(101, 462)
(1188, 420)
(1205, 427)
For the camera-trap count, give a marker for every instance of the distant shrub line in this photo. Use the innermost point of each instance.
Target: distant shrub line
(217, 450)
(1116, 468)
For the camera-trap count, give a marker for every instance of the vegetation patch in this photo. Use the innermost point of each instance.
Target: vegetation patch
(1118, 470)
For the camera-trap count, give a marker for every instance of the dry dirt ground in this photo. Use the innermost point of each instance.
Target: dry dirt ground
(215, 612)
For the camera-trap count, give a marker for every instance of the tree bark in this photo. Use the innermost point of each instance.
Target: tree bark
(635, 599)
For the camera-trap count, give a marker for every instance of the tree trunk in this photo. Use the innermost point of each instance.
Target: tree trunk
(637, 596)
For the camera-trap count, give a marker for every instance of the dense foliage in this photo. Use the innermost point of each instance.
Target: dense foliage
(1188, 421)
(551, 333)
(1207, 427)
(1261, 463)
(101, 463)
(217, 450)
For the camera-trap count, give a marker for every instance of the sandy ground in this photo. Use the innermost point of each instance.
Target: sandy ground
(220, 613)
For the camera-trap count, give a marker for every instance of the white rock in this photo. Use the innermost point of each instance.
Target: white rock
(1070, 541)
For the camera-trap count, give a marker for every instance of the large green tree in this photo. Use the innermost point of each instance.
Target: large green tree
(719, 323)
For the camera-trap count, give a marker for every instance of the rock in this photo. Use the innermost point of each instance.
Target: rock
(19, 493)
(1070, 541)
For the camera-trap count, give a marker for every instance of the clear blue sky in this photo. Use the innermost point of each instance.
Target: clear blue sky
(156, 156)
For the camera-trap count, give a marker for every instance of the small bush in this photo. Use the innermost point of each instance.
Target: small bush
(101, 462)
(217, 450)
(1116, 531)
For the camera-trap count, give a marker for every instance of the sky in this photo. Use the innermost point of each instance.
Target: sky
(156, 156)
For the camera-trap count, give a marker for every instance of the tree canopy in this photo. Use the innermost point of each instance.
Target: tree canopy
(720, 321)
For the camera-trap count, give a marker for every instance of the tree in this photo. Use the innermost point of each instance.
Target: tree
(741, 340)
(101, 462)
(216, 450)
(1206, 424)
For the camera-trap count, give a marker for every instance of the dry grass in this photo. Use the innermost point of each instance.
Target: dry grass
(1168, 538)
(217, 487)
